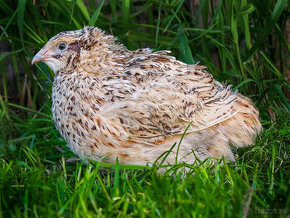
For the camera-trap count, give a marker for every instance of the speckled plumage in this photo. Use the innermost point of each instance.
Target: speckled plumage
(134, 105)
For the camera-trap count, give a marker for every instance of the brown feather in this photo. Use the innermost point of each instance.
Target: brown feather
(135, 105)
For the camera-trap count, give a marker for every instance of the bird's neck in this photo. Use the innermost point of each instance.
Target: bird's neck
(102, 61)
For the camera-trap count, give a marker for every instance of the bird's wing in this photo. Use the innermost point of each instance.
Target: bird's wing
(157, 98)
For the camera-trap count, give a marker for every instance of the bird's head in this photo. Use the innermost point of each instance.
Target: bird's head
(64, 49)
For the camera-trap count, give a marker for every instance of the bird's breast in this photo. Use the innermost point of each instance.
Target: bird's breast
(78, 106)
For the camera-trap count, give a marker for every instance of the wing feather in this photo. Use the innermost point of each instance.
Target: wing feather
(157, 96)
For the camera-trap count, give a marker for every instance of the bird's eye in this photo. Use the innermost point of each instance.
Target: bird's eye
(62, 46)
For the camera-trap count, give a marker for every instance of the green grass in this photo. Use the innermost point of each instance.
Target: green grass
(241, 42)
(38, 180)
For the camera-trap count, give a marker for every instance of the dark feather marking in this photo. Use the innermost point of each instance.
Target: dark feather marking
(75, 47)
(58, 56)
(68, 60)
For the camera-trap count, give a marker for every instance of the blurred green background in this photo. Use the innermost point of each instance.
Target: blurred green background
(242, 42)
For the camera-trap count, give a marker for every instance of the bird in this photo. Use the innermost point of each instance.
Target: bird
(110, 103)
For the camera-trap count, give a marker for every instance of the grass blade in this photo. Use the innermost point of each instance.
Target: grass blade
(83, 9)
(173, 16)
(125, 15)
(21, 10)
(185, 50)
(96, 14)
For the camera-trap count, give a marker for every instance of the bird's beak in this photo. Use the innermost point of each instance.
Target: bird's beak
(42, 55)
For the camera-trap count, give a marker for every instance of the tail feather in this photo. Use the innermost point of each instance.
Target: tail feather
(243, 128)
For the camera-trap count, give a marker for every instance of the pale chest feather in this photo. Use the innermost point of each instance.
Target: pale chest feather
(76, 105)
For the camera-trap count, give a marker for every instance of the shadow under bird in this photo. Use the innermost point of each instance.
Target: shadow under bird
(134, 105)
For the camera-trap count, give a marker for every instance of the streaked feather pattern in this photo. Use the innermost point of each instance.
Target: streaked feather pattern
(135, 105)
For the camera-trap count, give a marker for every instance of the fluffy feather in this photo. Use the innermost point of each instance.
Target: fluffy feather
(134, 105)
